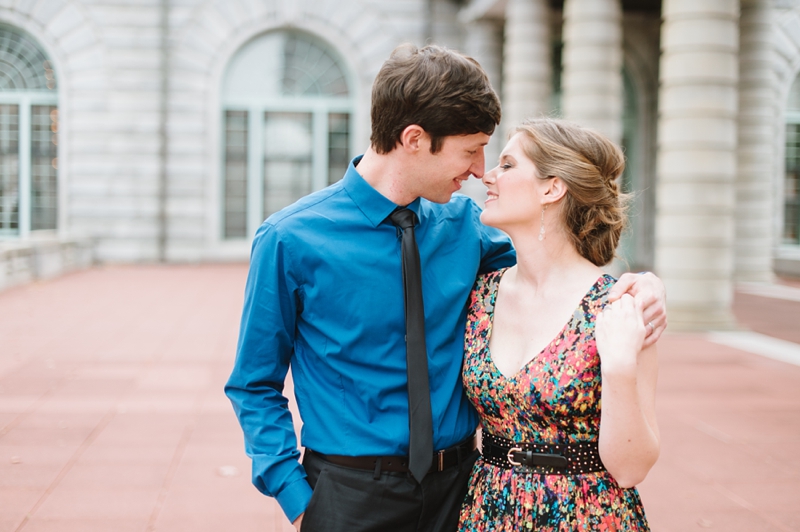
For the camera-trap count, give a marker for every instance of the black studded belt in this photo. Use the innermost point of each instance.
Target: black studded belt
(549, 459)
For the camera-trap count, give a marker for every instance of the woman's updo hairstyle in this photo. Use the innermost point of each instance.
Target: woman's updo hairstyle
(589, 164)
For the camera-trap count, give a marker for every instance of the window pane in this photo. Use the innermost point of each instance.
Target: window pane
(310, 69)
(791, 210)
(44, 165)
(284, 64)
(288, 153)
(9, 168)
(23, 64)
(235, 193)
(338, 145)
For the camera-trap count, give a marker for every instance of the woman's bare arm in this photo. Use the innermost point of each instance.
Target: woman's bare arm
(629, 437)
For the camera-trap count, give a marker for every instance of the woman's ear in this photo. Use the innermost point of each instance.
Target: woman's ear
(414, 138)
(556, 189)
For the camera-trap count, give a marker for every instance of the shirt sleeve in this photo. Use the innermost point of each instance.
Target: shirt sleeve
(496, 249)
(266, 341)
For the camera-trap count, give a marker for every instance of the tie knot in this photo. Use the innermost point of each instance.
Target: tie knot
(403, 218)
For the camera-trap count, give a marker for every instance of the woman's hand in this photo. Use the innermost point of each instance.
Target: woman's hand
(620, 333)
(650, 293)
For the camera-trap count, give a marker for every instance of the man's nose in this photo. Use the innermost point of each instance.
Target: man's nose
(478, 168)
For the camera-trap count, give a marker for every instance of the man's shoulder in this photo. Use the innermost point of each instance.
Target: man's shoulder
(322, 202)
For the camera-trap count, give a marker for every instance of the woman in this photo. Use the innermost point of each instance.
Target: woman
(541, 350)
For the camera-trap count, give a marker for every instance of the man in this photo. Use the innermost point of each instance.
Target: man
(327, 295)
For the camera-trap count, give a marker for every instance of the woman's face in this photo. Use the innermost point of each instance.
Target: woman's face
(514, 193)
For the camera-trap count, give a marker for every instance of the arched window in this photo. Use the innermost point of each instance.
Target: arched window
(791, 189)
(286, 119)
(28, 136)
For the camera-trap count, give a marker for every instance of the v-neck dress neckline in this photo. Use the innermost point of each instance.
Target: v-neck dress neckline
(576, 314)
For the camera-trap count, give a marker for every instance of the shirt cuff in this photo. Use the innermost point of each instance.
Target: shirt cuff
(294, 498)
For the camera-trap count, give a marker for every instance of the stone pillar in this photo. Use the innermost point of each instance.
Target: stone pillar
(696, 160)
(756, 151)
(592, 62)
(527, 63)
(484, 42)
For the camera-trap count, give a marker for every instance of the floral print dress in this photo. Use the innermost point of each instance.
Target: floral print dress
(554, 399)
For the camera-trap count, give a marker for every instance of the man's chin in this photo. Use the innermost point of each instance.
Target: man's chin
(439, 198)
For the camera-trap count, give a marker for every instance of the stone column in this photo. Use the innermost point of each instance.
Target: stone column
(696, 160)
(756, 152)
(592, 62)
(484, 42)
(527, 69)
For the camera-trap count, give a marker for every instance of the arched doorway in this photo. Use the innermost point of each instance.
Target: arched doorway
(287, 111)
(28, 136)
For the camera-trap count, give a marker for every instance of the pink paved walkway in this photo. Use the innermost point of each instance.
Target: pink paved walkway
(112, 416)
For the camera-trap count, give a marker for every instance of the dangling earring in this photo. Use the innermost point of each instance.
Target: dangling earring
(541, 228)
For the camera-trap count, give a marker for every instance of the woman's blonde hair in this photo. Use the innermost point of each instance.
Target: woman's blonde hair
(593, 208)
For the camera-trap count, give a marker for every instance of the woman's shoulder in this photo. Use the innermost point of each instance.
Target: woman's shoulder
(598, 296)
(485, 288)
(489, 281)
(605, 282)
(489, 278)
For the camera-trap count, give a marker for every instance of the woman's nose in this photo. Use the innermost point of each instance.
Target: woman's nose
(489, 177)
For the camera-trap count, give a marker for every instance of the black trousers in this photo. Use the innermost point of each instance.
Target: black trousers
(353, 500)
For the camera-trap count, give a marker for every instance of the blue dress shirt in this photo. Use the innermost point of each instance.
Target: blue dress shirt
(325, 295)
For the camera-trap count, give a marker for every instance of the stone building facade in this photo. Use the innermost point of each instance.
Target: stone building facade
(166, 130)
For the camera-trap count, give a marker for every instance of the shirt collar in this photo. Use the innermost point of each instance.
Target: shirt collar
(375, 206)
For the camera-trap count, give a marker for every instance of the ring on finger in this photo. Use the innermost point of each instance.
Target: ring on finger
(652, 327)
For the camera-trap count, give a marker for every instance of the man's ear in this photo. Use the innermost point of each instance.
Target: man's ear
(414, 138)
(556, 189)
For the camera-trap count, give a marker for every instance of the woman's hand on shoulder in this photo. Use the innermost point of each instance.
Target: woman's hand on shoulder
(619, 335)
(651, 293)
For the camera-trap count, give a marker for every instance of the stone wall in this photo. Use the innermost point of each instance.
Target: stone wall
(23, 262)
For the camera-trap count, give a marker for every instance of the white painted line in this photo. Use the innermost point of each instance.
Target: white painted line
(774, 291)
(759, 344)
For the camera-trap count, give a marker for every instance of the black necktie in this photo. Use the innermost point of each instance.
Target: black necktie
(420, 453)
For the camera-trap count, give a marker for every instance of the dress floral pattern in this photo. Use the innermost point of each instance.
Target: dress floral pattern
(553, 399)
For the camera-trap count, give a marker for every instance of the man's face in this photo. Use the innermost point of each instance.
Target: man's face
(442, 173)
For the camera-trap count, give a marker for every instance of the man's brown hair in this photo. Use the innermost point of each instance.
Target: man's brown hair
(440, 90)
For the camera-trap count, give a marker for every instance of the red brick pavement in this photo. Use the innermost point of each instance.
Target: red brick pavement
(112, 416)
